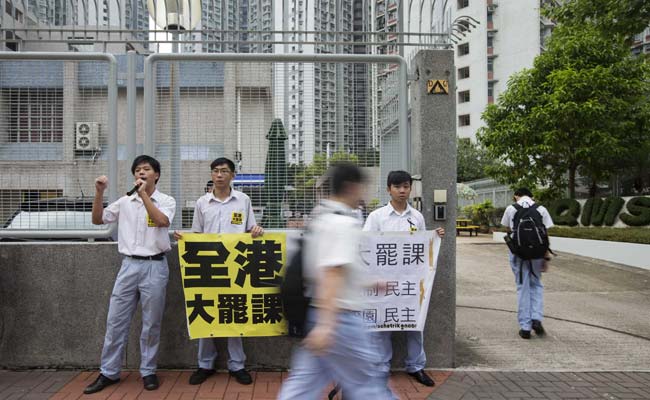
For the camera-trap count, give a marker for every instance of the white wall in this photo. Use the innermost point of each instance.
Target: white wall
(633, 254)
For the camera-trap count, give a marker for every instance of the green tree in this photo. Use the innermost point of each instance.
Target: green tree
(368, 157)
(306, 177)
(624, 17)
(575, 110)
(472, 161)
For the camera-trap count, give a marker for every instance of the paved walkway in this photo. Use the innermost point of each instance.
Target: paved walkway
(456, 385)
(597, 314)
(60, 385)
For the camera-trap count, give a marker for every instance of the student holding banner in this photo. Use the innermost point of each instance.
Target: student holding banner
(399, 216)
(143, 240)
(223, 210)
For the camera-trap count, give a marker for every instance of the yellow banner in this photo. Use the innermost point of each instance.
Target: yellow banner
(231, 284)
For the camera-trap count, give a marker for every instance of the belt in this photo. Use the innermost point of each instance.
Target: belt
(156, 257)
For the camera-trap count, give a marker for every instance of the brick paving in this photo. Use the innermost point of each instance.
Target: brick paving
(470, 385)
(67, 385)
(450, 385)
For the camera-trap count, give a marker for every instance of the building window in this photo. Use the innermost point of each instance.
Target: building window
(491, 89)
(463, 49)
(463, 73)
(490, 41)
(490, 64)
(35, 115)
(463, 97)
(490, 17)
(463, 120)
(463, 4)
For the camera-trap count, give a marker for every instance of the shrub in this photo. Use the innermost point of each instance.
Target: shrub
(629, 235)
(565, 212)
(590, 204)
(598, 214)
(612, 211)
(639, 212)
(497, 214)
(481, 213)
(596, 211)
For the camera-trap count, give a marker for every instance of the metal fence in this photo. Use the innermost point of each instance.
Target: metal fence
(282, 118)
(58, 130)
(223, 26)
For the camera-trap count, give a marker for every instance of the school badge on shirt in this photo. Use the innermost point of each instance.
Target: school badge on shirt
(237, 218)
(150, 222)
(412, 227)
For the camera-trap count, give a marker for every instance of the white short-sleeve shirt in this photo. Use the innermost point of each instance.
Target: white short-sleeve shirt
(136, 233)
(387, 219)
(525, 201)
(232, 215)
(333, 241)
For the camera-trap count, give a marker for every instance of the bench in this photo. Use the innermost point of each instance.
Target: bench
(468, 228)
(465, 225)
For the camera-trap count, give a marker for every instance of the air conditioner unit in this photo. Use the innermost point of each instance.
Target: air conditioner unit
(492, 7)
(87, 136)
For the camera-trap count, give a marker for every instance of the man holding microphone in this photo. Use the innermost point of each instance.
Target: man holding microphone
(143, 239)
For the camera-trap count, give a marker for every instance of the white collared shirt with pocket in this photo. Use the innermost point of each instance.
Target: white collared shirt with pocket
(232, 215)
(387, 219)
(136, 233)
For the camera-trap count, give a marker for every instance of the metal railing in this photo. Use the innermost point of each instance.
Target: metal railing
(393, 146)
(26, 114)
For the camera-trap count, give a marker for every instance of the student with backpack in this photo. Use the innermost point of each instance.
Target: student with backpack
(337, 347)
(527, 239)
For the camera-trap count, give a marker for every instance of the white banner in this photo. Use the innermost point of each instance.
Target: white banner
(404, 265)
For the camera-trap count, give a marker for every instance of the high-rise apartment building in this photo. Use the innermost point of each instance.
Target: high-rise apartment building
(508, 37)
(507, 40)
(229, 25)
(326, 105)
(83, 25)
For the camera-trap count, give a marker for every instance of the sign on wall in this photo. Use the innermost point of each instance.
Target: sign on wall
(437, 86)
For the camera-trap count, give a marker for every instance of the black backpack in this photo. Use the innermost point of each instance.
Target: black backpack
(529, 235)
(292, 294)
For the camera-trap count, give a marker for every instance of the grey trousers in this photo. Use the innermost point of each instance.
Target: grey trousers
(208, 353)
(143, 281)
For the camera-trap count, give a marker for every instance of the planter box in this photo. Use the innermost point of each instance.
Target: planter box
(633, 254)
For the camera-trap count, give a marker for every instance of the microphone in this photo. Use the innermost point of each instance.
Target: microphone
(135, 188)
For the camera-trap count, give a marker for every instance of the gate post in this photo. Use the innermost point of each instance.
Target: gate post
(433, 149)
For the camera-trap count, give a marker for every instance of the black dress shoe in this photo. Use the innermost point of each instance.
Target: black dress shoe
(242, 376)
(100, 383)
(150, 382)
(538, 328)
(422, 377)
(200, 375)
(524, 334)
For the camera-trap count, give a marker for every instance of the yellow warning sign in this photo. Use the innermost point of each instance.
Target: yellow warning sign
(437, 86)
